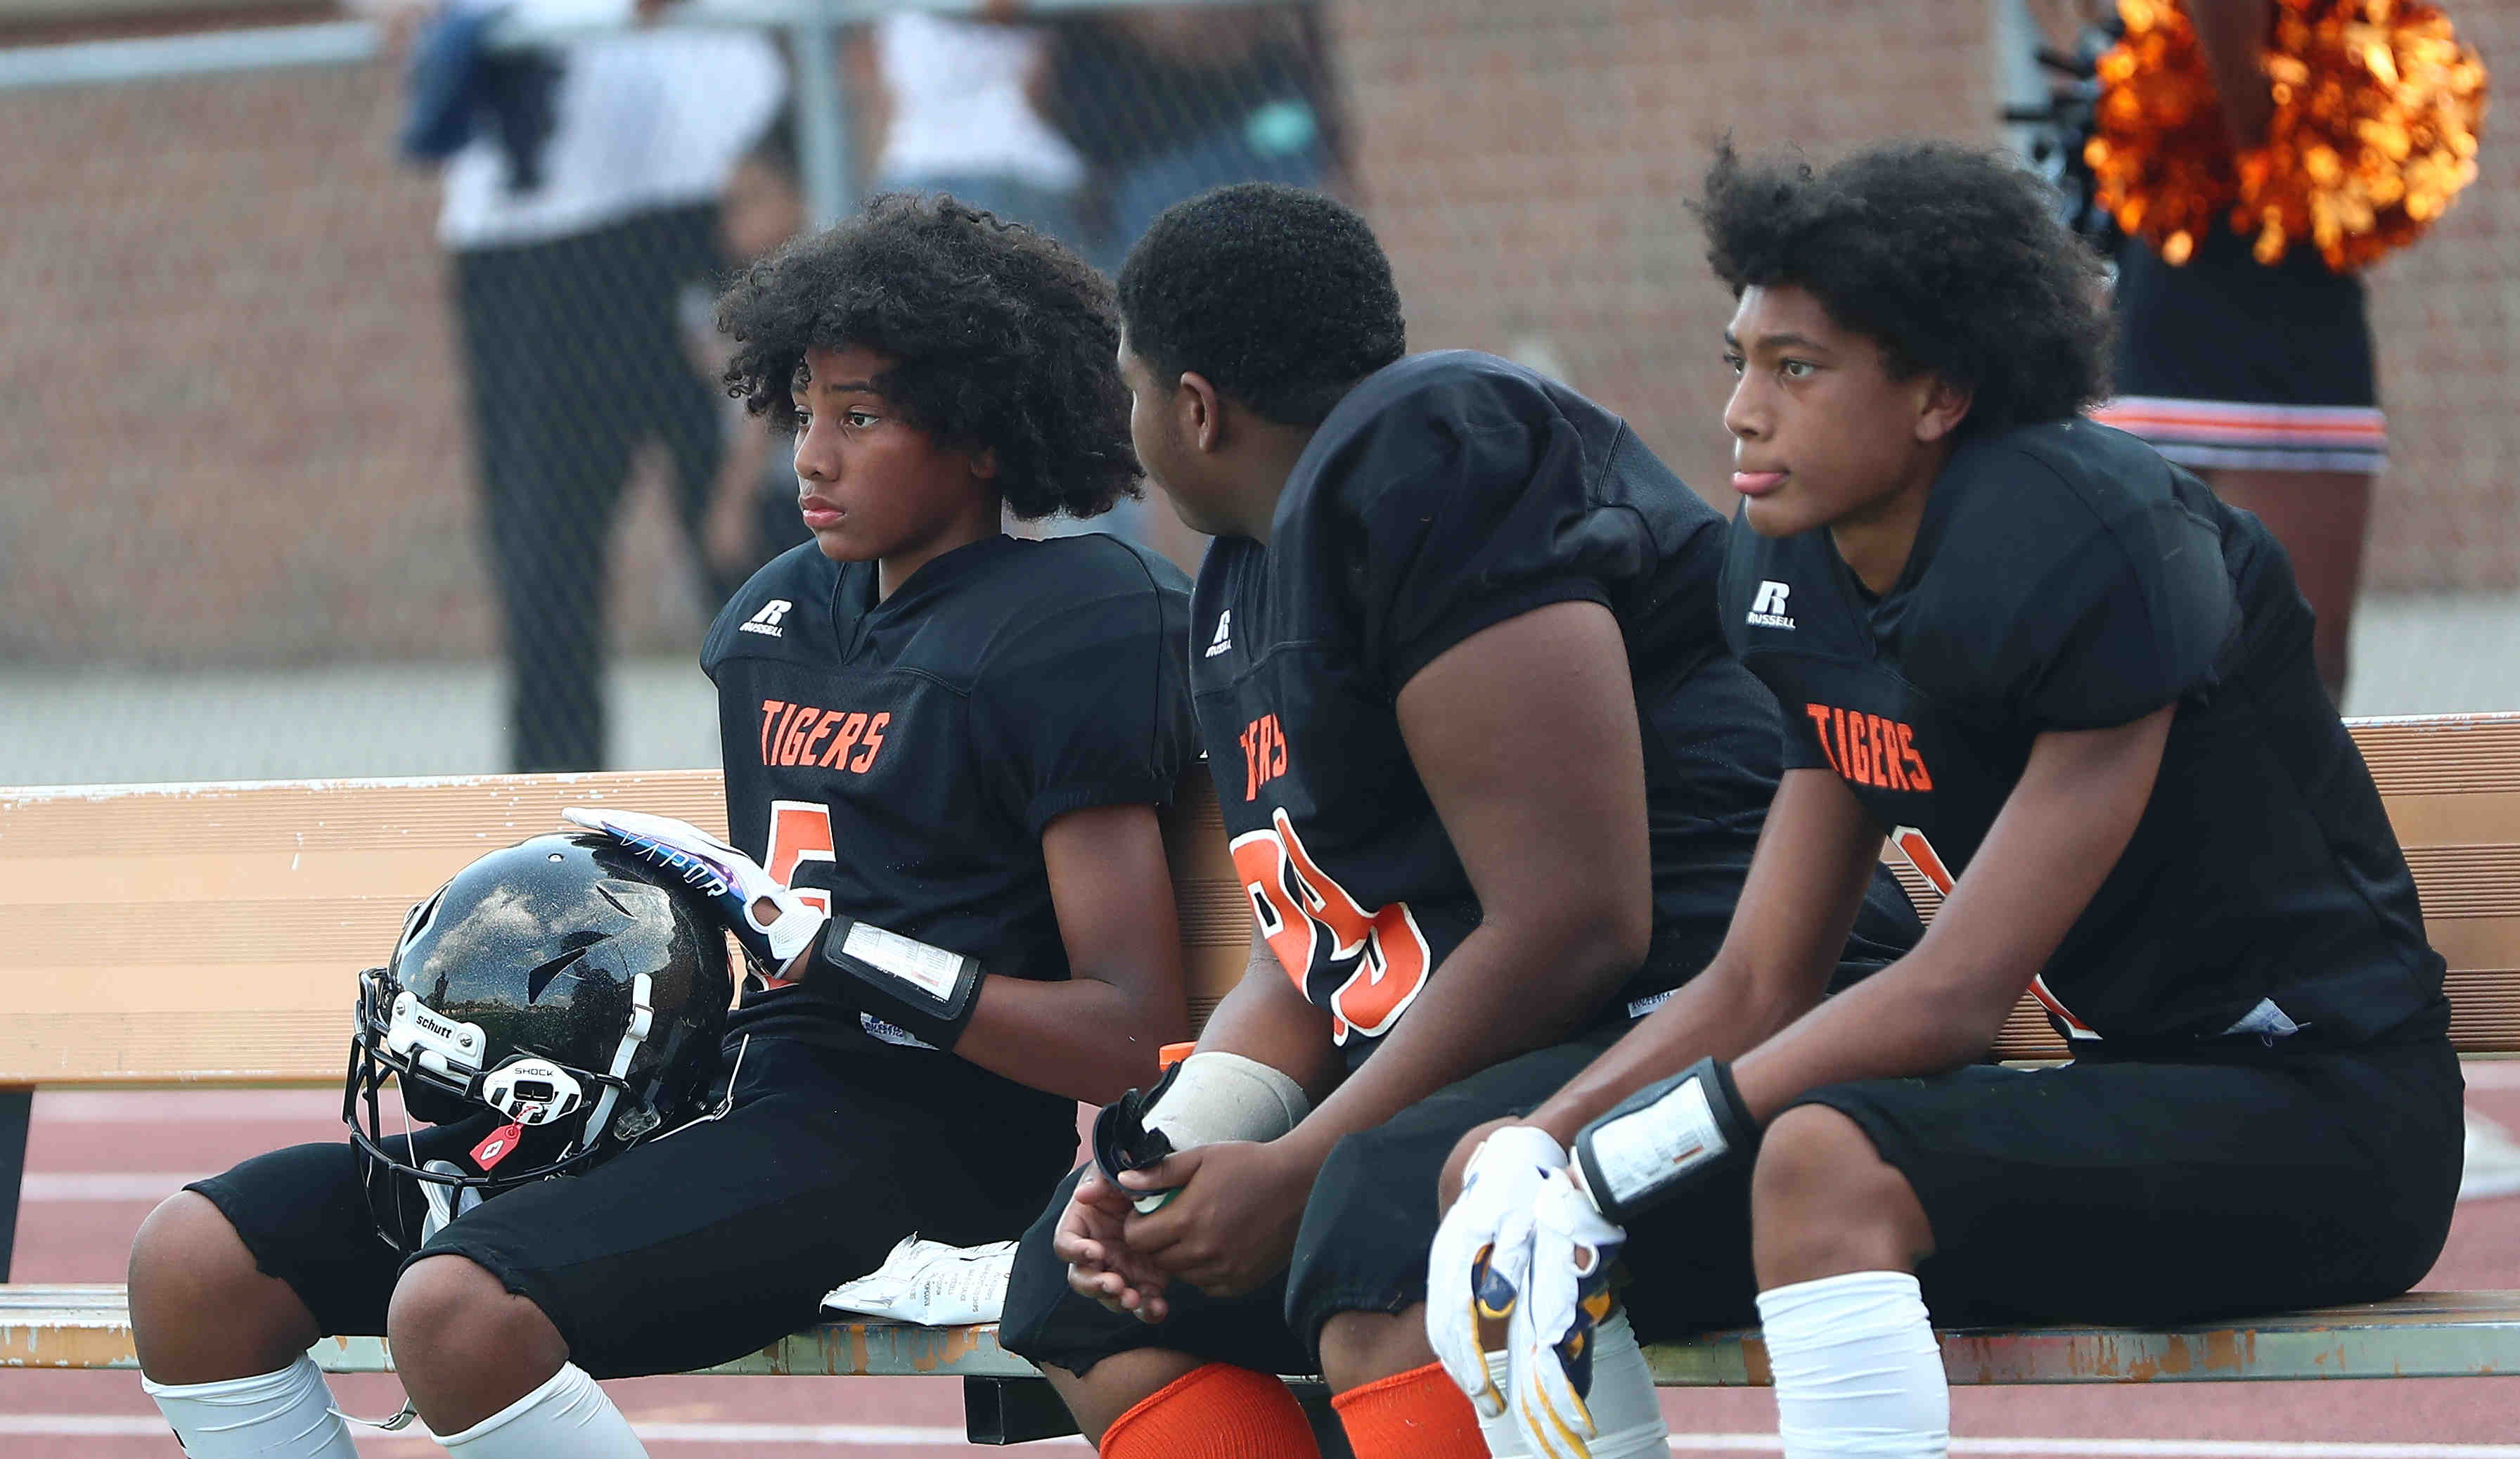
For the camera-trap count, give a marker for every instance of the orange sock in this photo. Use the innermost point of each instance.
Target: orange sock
(1218, 1411)
(1419, 1414)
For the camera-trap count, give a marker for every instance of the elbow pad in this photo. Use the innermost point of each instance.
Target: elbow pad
(924, 990)
(1663, 1139)
(1206, 1099)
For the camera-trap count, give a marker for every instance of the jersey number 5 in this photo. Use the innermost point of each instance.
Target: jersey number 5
(1302, 911)
(800, 831)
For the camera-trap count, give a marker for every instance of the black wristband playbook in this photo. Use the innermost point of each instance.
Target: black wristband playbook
(923, 990)
(1663, 1139)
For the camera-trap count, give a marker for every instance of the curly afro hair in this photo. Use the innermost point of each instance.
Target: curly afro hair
(1951, 259)
(1280, 297)
(1004, 340)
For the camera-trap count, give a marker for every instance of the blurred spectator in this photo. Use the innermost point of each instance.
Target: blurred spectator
(1169, 101)
(2258, 377)
(1166, 101)
(752, 514)
(571, 252)
(954, 106)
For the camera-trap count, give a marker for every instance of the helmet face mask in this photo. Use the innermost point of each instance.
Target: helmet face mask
(553, 996)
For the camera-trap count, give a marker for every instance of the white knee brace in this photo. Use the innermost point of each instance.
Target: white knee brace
(1858, 1370)
(567, 1418)
(283, 1415)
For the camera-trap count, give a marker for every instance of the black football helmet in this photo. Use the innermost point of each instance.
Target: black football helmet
(560, 998)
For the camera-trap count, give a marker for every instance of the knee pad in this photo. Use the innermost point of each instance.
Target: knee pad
(284, 1415)
(567, 1417)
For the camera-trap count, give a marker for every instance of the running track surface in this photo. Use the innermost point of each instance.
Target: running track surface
(98, 1161)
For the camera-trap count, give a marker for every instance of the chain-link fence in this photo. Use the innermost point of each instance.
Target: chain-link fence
(319, 461)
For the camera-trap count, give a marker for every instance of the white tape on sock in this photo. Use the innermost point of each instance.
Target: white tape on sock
(283, 1415)
(1219, 1096)
(1627, 1418)
(1858, 1371)
(567, 1418)
(1505, 1440)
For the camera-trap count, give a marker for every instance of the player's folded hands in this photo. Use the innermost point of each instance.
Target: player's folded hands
(773, 923)
(1231, 1225)
(1565, 1299)
(1481, 1257)
(1090, 1238)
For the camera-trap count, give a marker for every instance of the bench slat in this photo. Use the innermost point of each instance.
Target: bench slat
(267, 895)
(2423, 1334)
(236, 1046)
(470, 814)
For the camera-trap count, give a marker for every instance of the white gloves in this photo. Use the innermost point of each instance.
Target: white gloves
(1481, 1257)
(773, 923)
(1516, 1285)
(1565, 1299)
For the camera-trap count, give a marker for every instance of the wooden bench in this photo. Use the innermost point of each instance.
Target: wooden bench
(202, 935)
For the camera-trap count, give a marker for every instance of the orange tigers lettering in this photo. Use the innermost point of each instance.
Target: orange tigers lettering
(804, 734)
(1868, 750)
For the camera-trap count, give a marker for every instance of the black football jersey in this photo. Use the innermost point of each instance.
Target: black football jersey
(898, 760)
(1445, 494)
(2066, 578)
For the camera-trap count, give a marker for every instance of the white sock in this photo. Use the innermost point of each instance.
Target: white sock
(1627, 1418)
(567, 1417)
(283, 1415)
(1856, 1368)
(1505, 1440)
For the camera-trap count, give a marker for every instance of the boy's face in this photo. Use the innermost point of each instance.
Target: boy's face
(1822, 430)
(1164, 427)
(868, 483)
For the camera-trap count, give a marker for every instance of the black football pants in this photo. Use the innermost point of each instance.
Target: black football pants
(685, 1252)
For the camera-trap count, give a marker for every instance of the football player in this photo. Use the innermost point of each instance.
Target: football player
(1491, 778)
(2082, 696)
(944, 748)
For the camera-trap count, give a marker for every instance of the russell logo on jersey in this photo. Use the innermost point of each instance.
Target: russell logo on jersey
(766, 621)
(1768, 610)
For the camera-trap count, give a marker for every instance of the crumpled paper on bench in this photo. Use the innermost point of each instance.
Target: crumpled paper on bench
(930, 1282)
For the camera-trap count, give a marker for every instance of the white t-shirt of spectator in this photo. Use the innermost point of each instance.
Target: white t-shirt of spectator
(647, 118)
(960, 107)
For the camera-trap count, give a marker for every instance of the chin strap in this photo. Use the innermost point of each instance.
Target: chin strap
(643, 1016)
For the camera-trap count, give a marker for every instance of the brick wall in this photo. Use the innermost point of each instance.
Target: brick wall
(1524, 163)
(233, 429)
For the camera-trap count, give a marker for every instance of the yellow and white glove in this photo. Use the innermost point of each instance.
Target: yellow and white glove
(1481, 1257)
(1565, 1299)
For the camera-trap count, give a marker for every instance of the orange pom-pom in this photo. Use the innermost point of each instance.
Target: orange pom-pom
(2157, 153)
(2376, 109)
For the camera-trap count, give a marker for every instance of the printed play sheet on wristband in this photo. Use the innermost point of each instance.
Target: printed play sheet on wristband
(1648, 1147)
(933, 969)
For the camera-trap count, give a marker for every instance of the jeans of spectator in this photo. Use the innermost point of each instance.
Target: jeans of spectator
(1048, 210)
(1279, 141)
(574, 359)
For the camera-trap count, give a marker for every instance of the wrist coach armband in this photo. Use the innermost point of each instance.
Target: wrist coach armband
(1664, 1138)
(924, 990)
